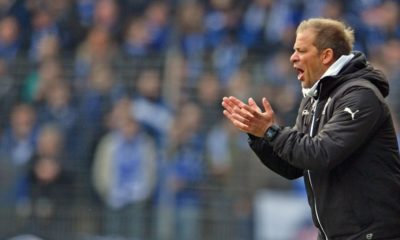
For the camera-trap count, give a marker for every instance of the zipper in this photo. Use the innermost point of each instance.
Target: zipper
(315, 206)
(309, 172)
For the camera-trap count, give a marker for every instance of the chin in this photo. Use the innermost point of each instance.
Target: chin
(305, 85)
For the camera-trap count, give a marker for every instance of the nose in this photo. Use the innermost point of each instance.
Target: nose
(294, 57)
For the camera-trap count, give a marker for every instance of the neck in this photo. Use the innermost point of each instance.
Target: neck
(333, 70)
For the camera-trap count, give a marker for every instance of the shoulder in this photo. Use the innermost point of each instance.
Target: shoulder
(356, 86)
(358, 95)
(364, 101)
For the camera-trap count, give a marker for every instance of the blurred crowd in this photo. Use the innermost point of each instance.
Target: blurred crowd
(110, 117)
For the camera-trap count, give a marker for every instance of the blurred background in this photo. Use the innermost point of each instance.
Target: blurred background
(110, 120)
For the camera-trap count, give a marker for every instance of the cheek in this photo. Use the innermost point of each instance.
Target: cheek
(312, 69)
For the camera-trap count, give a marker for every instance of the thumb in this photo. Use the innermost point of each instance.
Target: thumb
(267, 106)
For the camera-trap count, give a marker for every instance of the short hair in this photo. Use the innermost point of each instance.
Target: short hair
(330, 33)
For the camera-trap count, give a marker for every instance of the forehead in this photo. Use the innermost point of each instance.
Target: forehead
(304, 38)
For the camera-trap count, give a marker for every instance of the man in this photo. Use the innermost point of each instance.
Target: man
(343, 142)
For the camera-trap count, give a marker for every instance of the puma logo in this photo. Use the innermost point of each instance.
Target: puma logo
(351, 112)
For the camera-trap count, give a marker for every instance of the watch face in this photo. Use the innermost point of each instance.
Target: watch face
(271, 133)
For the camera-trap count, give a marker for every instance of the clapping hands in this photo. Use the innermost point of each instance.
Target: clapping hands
(249, 117)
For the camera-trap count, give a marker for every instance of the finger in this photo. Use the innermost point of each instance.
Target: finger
(227, 104)
(227, 107)
(253, 110)
(241, 115)
(236, 101)
(234, 116)
(232, 102)
(237, 114)
(227, 114)
(254, 105)
(237, 123)
(243, 112)
(249, 126)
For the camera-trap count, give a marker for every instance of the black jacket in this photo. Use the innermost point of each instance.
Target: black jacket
(351, 163)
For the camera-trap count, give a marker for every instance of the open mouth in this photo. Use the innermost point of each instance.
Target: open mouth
(300, 73)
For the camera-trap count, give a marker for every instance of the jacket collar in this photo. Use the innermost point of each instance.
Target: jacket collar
(333, 70)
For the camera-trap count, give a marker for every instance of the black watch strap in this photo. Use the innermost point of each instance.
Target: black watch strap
(271, 132)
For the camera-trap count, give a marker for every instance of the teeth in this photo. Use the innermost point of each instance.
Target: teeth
(300, 72)
(300, 75)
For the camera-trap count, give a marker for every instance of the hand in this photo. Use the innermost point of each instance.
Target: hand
(249, 117)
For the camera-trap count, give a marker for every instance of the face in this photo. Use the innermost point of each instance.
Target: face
(306, 59)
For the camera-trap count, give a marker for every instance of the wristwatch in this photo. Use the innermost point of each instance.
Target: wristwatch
(271, 132)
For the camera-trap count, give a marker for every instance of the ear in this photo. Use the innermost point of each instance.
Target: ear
(327, 56)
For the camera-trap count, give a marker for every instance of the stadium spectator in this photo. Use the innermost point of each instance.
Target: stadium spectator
(19, 138)
(38, 81)
(149, 102)
(43, 25)
(17, 146)
(10, 39)
(8, 93)
(207, 96)
(106, 17)
(97, 48)
(50, 187)
(232, 191)
(102, 89)
(227, 57)
(220, 21)
(136, 42)
(48, 48)
(59, 109)
(158, 24)
(124, 175)
(191, 39)
(252, 25)
(85, 10)
(180, 196)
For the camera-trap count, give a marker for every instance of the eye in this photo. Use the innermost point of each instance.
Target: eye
(299, 50)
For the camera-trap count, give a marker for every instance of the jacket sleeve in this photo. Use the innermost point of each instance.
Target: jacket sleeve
(357, 115)
(265, 153)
